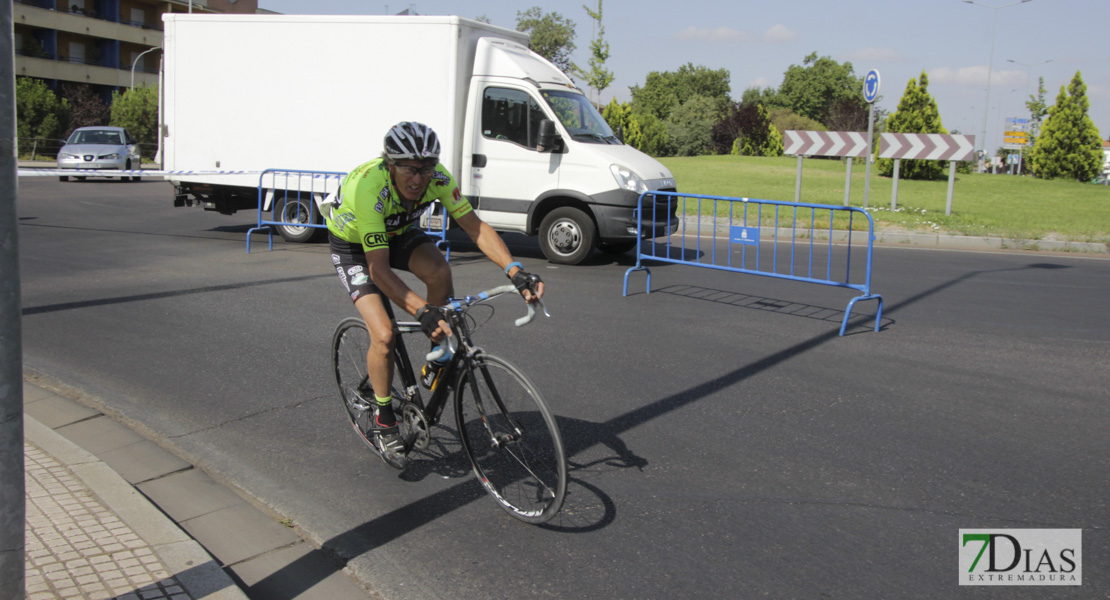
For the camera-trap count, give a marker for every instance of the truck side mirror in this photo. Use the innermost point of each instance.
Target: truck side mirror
(547, 137)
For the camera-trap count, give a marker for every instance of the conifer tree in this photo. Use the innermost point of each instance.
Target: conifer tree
(598, 77)
(1069, 144)
(917, 113)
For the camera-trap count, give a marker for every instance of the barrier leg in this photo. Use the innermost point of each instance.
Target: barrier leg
(269, 232)
(852, 303)
(639, 268)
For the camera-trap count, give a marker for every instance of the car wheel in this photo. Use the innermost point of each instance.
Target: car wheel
(298, 210)
(567, 235)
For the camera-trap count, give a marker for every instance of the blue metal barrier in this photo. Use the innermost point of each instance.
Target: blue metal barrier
(290, 197)
(741, 224)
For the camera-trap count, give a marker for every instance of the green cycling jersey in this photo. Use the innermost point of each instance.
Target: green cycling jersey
(371, 212)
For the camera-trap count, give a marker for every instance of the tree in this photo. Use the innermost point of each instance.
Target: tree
(621, 120)
(86, 107)
(663, 92)
(656, 138)
(690, 126)
(1069, 144)
(787, 120)
(136, 110)
(552, 36)
(598, 77)
(917, 113)
(747, 129)
(40, 113)
(823, 90)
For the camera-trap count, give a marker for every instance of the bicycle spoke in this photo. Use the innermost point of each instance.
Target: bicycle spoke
(511, 439)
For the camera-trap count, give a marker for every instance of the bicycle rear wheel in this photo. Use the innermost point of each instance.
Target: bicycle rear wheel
(511, 439)
(349, 345)
(350, 342)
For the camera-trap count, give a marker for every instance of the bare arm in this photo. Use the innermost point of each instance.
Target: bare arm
(491, 244)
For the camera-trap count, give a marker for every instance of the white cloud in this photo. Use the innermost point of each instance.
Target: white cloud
(1099, 92)
(720, 34)
(778, 33)
(761, 82)
(976, 76)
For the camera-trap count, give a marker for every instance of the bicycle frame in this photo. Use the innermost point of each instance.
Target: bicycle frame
(465, 351)
(433, 409)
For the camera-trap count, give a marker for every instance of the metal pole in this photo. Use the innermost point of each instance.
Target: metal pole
(798, 181)
(135, 62)
(870, 153)
(848, 183)
(894, 190)
(990, 65)
(13, 509)
(951, 186)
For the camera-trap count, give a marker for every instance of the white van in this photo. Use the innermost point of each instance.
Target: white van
(318, 93)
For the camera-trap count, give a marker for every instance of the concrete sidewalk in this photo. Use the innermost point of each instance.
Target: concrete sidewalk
(110, 514)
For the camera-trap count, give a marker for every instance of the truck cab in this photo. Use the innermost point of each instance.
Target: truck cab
(575, 187)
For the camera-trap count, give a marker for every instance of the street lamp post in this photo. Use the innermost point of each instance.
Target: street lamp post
(1028, 70)
(1028, 77)
(136, 62)
(990, 65)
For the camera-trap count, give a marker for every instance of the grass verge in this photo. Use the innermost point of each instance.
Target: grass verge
(982, 205)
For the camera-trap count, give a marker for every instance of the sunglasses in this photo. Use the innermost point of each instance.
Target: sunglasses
(411, 171)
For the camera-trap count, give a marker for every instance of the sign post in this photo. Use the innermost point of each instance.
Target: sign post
(1017, 138)
(870, 94)
(927, 146)
(845, 144)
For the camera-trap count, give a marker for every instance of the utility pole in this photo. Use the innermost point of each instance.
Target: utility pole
(13, 509)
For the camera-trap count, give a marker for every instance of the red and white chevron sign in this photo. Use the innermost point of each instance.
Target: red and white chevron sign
(927, 146)
(825, 143)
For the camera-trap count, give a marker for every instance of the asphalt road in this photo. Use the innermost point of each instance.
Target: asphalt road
(724, 440)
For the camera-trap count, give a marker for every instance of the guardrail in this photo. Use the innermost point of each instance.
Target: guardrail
(291, 198)
(766, 237)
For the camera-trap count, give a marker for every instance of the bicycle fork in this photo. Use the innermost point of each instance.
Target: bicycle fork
(498, 439)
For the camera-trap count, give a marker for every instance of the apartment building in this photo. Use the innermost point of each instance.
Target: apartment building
(106, 43)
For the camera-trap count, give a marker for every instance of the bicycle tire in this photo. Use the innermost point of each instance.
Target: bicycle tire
(350, 342)
(526, 474)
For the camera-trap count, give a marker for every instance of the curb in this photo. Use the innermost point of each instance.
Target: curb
(189, 563)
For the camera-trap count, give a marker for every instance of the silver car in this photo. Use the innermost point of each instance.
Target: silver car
(100, 149)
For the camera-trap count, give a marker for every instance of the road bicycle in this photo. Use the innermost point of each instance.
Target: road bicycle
(508, 433)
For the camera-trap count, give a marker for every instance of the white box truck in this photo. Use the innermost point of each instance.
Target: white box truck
(318, 93)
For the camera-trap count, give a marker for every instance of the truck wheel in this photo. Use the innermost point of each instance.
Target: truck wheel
(567, 235)
(298, 210)
(63, 178)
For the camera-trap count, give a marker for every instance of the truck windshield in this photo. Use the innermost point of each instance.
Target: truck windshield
(579, 116)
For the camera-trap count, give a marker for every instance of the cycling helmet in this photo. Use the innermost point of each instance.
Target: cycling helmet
(409, 140)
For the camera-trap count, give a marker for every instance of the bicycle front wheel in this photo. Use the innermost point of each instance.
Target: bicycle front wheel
(511, 439)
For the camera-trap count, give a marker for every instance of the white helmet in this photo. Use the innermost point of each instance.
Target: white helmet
(410, 140)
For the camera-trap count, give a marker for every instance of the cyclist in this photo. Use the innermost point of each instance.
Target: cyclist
(372, 231)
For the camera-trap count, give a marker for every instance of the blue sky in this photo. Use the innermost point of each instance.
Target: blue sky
(756, 42)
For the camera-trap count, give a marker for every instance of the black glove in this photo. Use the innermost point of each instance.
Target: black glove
(525, 281)
(429, 318)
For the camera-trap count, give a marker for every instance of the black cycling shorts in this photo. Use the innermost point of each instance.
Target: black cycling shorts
(350, 260)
